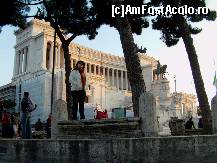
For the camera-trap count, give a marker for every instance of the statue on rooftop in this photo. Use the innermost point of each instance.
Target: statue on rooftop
(159, 71)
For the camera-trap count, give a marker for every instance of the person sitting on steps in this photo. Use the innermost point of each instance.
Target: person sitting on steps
(189, 124)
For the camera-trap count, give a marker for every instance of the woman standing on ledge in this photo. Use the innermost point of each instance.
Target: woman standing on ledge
(77, 80)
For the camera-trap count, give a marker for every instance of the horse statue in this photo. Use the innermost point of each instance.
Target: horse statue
(159, 71)
(163, 70)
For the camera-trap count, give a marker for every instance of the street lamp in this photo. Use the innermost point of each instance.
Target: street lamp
(19, 95)
(175, 82)
(53, 68)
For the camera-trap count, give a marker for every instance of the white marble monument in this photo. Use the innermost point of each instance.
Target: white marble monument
(107, 76)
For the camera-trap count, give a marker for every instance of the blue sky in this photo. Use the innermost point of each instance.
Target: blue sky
(175, 57)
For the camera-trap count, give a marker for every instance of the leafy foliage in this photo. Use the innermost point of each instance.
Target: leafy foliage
(103, 10)
(8, 103)
(168, 25)
(13, 12)
(73, 16)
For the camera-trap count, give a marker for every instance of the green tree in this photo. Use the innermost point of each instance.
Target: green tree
(174, 27)
(8, 104)
(126, 26)
(73, 17)
(14, 12)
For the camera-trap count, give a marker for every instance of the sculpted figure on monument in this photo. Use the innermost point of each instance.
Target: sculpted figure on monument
(159, 71)
(163, 71)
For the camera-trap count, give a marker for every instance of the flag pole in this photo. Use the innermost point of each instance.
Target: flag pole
(215, 78)
(215, 82)
(53, 73)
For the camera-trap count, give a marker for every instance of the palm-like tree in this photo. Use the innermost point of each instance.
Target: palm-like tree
(178, 26)
(126, 27)
(134, 70)
(74, 17)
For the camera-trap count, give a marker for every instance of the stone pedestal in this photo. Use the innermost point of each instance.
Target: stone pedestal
(161, 88)
(214, 114)
(59, 114)
(177, 126)
(148, 115)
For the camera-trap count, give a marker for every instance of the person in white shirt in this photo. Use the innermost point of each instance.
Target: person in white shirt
(77, 80)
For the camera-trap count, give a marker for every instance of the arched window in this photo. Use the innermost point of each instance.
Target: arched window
(97, 70)
(88, 68)
(48, 55)
(92, 68)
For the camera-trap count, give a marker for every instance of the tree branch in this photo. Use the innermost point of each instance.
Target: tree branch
(53, 24)
(71, 38)
(29, 4)
(58, 31)
(33, 16)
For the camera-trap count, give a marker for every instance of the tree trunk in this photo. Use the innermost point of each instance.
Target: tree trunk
(67, 58)
(134, 70)
(195, 68)
(68, 68)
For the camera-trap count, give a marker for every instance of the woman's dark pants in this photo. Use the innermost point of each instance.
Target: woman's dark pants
(78, 97)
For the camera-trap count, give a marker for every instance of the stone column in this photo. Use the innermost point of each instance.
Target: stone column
(107, 74)
(25, 59)
(18, 62)
(51, 57)
(59, 56)
(44, 56)
(21, 61)
(61, 60)
(15, 64)
(126, 80)
(99, 70)
(59, 113)
(214, 114)
(122, 80)
(113, 77)
(148, 115)
(94, 69)
(117, 77)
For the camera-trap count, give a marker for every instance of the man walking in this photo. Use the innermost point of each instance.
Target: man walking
(26, 107)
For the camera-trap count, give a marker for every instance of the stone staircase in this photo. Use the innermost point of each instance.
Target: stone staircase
(99, 129)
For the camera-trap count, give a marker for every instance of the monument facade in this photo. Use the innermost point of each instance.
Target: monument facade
(106, 73)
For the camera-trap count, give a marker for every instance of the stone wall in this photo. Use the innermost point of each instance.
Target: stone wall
(99, 129)
(192, 149)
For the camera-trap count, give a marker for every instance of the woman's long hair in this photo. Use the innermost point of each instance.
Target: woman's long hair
(79, 62)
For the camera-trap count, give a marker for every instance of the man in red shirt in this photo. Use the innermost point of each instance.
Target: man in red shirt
(5, 124)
